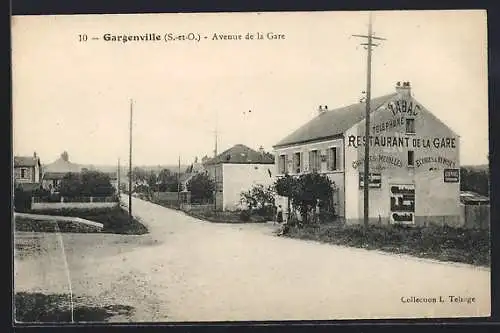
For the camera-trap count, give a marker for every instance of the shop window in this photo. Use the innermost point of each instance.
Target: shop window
(411, 158)
(331, 161)
(410, 126)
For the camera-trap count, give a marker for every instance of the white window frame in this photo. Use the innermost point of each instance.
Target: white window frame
(408, 158)
(406, 126)
(24, 173)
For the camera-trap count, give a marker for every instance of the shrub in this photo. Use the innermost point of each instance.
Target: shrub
(22, 200)
(258, 197)
(245, 215)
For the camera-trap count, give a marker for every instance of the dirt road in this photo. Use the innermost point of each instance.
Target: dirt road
(189, 270)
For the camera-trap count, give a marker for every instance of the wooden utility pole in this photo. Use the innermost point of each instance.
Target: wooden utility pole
(179, 182)
(130, 164)
(366, 176)
(118, 182)
(215, 162)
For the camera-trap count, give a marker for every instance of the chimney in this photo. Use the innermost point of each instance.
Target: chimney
(322, 109)
(34, 155)
(65, 156)
(261, 150)
(403, 89)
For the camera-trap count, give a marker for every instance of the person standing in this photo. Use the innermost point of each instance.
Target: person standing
(279, 214)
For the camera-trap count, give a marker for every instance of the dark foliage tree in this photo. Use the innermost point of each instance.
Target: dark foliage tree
(202, 187)
(22, 199)
(304, 191)
(475, 180)
(259, 198)
(87, 183)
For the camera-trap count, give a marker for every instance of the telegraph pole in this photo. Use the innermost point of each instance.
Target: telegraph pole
(130, 164)
(118, 183)
(366, 177)
(179, 182)
(215, 162)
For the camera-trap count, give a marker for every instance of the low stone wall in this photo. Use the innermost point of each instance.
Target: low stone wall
(72, 205)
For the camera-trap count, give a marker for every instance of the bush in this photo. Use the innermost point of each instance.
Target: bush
(265, 212)
(22, 200)
(245, 215)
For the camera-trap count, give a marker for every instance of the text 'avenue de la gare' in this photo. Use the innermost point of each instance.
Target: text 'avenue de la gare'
(190, 36)
(402, 142)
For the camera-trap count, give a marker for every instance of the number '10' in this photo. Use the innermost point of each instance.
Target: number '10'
(82, 38)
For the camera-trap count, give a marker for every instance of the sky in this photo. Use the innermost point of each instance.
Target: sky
(75, 96)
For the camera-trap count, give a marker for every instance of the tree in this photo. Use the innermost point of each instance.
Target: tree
(139, 175)
(86, 183)
(258, 197)
(285, 187)
(202, 187)
(305, 191)
(475, 179)
(152, 179)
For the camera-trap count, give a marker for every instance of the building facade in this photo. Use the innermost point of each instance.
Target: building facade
(27, 169)
(236, 170)
(414, 160)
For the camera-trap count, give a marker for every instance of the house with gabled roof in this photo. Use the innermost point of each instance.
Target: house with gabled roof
(236, 170)
(27, 171)
(414, 160)
(54, 172)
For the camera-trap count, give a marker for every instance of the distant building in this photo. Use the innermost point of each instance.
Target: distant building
(414, 160)
(191, 171)
(54, 172)
(27, 171)
(236, 170)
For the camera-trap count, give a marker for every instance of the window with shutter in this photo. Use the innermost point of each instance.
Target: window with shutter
(332, 159)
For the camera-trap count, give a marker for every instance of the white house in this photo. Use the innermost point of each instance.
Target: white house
(236, 170)
(414, 160)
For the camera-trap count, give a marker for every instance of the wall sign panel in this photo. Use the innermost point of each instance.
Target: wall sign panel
(402, 201)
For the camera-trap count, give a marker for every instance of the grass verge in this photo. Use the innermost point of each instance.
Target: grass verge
(115, 220)
(55, 308)
(225, 217)
(468, 246)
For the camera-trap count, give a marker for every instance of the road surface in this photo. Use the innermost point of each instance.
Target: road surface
(190, 270)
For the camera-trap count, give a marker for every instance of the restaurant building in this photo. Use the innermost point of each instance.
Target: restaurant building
(414, 160)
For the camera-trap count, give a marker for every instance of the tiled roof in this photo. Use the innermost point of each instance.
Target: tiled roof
(241, 154)
(332, 123)
(25, 161)
(53, 175)
(62, 166)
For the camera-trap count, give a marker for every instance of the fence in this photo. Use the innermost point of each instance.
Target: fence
(475, 216)
(197, 208)
(171, 197)
(39, 203)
